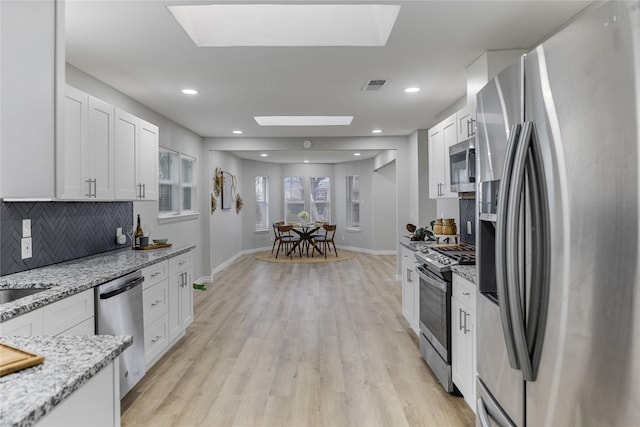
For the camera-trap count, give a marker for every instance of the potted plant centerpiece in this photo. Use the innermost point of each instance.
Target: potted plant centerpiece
(304, 217)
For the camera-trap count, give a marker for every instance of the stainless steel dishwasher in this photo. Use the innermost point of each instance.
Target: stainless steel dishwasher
(119, 312)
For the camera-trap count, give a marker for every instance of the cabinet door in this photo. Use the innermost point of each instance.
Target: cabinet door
(126, 137)
(186, 300)
(436, 165)
(70, 153)
(68, 312)
(100, 149)
(175, 293)
(450, 137)
(462, 357)
(25, 325)
(466, 122)
(147, 162)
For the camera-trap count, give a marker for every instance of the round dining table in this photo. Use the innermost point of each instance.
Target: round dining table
(306, 233)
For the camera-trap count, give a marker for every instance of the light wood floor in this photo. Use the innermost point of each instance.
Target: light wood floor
(296, 345)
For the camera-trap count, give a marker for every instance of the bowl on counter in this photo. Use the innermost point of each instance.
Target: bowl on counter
(160, 241)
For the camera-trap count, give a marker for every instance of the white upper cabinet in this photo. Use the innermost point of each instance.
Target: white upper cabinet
(99, 166)
(147, 162)
(441, 137)
(466, 122)
(106, 153)
(456, 128)
(84, 157)
(127, 130)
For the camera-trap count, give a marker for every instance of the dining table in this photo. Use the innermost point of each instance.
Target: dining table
(306, 233)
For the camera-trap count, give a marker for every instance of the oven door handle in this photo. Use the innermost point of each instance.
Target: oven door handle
(431, 281)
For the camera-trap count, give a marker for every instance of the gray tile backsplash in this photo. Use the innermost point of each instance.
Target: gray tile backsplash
(467, 213)
(60, 231)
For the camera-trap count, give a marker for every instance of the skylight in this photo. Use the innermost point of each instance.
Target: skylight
(304, 120)
(224, 25)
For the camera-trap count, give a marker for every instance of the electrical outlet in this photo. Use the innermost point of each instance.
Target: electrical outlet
(26, 228)
(26, 248)
(118, 231)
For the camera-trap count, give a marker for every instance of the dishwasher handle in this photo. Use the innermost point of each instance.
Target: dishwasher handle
(123, 288)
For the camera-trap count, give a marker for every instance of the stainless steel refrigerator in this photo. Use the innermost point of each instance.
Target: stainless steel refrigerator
(558, 307)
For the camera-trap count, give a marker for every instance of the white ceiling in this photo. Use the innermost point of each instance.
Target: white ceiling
(138, 48)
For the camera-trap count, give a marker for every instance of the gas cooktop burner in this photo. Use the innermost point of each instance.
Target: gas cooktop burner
(462, 254)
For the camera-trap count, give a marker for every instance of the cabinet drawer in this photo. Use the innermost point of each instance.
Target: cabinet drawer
(25, 325)
(155, 301)
(156, 338)
(155, 273)
(66, 313)
(181, 262)
(464, 290)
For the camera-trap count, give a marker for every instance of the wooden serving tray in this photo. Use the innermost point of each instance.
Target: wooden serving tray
(149, 247)
(13, 359)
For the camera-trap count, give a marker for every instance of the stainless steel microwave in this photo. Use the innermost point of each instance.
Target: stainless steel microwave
(462, 166)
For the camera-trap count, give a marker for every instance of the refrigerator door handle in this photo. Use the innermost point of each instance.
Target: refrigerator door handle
(529, 335)
(482, 413)
(502, 238)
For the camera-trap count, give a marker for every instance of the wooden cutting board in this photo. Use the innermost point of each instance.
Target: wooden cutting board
(13, 359)
(154, 246)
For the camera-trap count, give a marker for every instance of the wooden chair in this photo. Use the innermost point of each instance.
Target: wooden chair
(276, 234)
(326, 239)
(288, 240)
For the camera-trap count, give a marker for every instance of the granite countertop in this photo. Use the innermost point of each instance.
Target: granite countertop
(466, 271)
(69, 362)
(71, 277)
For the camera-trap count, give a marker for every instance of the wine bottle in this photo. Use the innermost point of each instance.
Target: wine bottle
(139, 232)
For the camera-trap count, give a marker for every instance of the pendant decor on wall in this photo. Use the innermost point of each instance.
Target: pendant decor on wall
(225, 186)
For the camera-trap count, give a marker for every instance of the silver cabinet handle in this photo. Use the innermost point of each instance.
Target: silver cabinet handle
(459, 319)
(182, 262)
(155, 274)
(466, 294)
(156, 339)
(144, 191)
(156, 302)
(92, 188)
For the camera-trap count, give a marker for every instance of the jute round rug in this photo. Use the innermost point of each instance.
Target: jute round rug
(316, 259)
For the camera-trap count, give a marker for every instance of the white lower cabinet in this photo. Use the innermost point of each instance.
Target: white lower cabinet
(167, 303)
(463, 341)
(181, 294)
(73, 315)
(410, 290)
(96, 403)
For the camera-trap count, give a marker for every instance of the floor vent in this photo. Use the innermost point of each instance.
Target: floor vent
(374, 84)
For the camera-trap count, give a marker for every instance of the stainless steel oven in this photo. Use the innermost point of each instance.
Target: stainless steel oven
(434, 270)
(435, 325)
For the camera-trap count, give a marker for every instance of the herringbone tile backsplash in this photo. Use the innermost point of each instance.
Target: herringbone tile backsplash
(60, 231)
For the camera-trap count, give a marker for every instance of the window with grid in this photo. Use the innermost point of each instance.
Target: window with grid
(321, 199)
(353, 202)
(262, 203)
(293, 197)
(177, 183)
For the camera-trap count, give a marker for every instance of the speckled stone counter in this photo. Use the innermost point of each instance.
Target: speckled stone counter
(69, 362)
(466, 271)
(71, 277)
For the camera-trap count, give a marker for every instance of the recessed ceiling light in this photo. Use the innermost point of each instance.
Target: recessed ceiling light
(412, 89)
(303, 120)
(376, 131)
(306, 161)
(237, 132)
(189, 91)
(356, 154)
(264, 155)
(222, 25)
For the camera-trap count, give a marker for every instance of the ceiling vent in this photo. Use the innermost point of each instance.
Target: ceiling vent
(374, 84)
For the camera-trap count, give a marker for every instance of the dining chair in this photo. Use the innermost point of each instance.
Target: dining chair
(288, 240)
(326, 239)
(276, 234)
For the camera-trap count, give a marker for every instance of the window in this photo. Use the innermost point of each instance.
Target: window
(262, 203)
(321, 199)
(177, 184)
(353, 202)
(293, 197)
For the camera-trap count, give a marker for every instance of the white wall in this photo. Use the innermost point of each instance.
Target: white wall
(384, 208)
(225, 226)
(172, 136)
